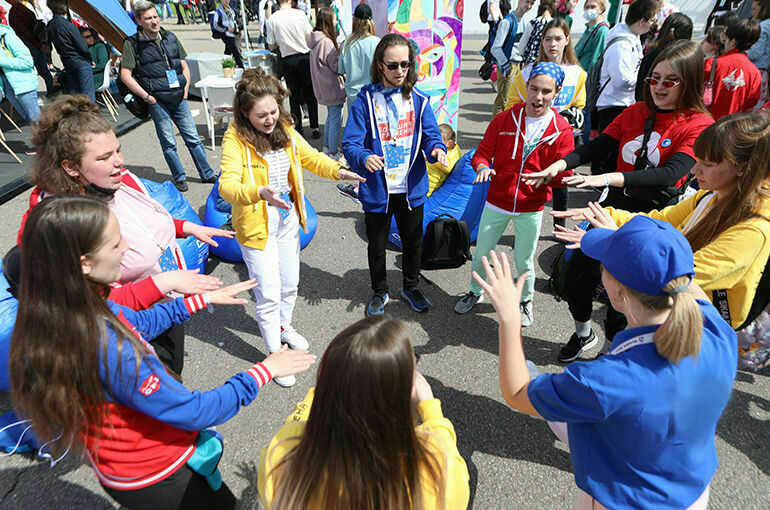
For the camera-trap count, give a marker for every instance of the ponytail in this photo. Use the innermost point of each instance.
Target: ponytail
(679, 336)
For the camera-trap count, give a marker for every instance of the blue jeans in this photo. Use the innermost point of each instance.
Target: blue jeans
(25, 104)
(80, 79)
(159, 6)
(333, 127)
(162, 115)
(41, 65)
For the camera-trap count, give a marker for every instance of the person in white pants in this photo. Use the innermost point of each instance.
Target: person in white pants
(262, 162)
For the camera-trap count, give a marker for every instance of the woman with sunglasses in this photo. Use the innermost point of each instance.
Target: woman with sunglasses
(353, 443)
(391, 131)
(99, 54)
(673, 115)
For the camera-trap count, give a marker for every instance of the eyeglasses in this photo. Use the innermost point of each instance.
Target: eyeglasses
(392, 66)
(666, 83)
(88, 36)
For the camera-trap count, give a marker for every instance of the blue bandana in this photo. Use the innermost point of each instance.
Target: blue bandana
(391, 107)
(549, 69)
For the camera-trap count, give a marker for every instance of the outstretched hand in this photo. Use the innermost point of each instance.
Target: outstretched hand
(499, 286)
(285, 362)
(186, 281)
(272, 197)
(345, 174)
(226, 295)
(484, 175)
(537, 179)
(204, 234)
(374, 163)
(439, 154)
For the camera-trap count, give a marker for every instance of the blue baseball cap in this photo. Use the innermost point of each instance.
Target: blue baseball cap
(644, 254)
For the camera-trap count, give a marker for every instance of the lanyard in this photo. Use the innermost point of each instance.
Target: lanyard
(646, 338)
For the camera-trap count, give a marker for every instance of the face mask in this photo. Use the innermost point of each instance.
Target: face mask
(590, 14)
(94, 190)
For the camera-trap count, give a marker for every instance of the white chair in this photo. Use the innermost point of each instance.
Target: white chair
(217, 104)
(104, 91)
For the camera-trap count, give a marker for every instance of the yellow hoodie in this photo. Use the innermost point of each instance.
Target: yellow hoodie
(733, 262)
(240, 186)
(573, 90)
(436, 430)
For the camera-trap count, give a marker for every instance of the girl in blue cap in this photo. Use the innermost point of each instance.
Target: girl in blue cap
(641, 420)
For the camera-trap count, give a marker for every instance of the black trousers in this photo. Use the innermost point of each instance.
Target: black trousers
(607, 162)
(185, 489)
(169, 347)
(409, 223)
(179, 15)
(231, 48)
(296, 71)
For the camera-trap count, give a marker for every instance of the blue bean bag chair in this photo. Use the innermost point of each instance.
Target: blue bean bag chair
(195, 253)
(229, 249)
(9, 305)
(457, 196)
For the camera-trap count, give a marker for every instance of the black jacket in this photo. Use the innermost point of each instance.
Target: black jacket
(69, 44)
(152, 64)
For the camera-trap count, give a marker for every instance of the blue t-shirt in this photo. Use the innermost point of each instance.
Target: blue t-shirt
(641, 429)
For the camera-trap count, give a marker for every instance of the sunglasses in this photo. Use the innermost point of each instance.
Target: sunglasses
(392, 66)
(666, 83)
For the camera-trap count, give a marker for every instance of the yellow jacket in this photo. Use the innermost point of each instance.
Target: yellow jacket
(734, 261)
(240, 186)
(437, 173)
(436, 430)
(573, 90)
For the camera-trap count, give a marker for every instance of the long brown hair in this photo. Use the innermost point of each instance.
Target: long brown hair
(743, 141)
(362, 28)
(568, 58)
(360, 450)
(324, 23)
(386, 42)
(253, 86)
(56, 346)
(686, 60)
(676, 27)
(60, 134)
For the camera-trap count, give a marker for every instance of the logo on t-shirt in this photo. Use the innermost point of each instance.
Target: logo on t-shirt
(665, 143)
(405, 127)
(632, 148)
(150, 385)
(733, 83)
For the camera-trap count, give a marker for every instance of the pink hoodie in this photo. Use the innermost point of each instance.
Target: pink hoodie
(327, 83)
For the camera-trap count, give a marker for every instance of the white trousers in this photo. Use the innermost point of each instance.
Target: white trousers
(276, 269)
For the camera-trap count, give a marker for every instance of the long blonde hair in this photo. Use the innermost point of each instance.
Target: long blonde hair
(360, 449)
(362, 28)
(680, 334)
(743, 140)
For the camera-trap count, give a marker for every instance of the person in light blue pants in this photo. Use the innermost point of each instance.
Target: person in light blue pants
(18, 78)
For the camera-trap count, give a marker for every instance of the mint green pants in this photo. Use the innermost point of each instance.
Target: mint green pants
(527, 231)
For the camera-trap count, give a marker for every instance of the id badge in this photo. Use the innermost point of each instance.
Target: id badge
(286, 197)
(394, 156)
(173, 78)
(167, 261)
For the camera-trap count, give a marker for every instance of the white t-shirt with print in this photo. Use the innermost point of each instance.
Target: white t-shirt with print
(396, 166)
(534, 129)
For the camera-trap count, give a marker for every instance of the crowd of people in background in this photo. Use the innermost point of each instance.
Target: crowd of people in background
(675, 131)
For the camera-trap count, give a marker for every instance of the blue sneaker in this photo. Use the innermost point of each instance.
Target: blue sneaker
(416, 299)
(376, 305)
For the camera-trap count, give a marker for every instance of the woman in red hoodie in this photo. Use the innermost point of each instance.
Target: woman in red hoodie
(524, 139)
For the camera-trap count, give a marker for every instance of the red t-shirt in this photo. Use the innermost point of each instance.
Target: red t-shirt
(737, 84)
(672, 133)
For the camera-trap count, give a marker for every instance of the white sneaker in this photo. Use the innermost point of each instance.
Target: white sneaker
(295, 341)
(286, 382)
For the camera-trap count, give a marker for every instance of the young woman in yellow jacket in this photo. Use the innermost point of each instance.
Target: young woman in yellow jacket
(262, 161)
(556, 47)
(727, 222)
(353, 444)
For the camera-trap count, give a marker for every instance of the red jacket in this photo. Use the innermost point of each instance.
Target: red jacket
(737, 84)
(506, 190)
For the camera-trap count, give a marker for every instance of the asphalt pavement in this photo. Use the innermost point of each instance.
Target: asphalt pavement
(514, 460)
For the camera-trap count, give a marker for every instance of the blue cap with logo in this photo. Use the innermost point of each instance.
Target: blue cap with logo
(549, 69)
(644, 254)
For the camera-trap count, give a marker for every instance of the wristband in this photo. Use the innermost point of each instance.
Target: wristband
(207, 300)
(606, 190)
(147, 96)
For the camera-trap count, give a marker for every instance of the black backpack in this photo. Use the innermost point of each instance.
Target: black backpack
(594, 86)
(446, 244)
(215, 34)
(136, 105)
(505, 8)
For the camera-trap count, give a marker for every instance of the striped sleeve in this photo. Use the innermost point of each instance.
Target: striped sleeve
(196, 303)
(260, 373)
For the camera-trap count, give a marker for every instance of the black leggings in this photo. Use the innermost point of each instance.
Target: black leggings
(185, 489)
(296, 72)
(169, 346)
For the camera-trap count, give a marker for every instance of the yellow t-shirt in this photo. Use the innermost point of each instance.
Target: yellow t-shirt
(437, 173)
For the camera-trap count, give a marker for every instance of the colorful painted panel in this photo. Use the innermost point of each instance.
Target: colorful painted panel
(437, 27)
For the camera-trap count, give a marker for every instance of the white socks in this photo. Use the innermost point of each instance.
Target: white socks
(583, 329)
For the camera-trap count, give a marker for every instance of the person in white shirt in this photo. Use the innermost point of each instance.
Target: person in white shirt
(287, 31)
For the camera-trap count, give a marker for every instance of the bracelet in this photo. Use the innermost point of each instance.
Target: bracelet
(606, 180)
(207, 300)
(147, 96)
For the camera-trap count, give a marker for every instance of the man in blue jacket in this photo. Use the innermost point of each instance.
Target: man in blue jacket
(391, 129)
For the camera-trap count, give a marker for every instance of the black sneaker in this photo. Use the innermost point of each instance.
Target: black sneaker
(349, 190)
(576, 345)
(181, 185)
(209, 180)
(376, 305)
(416, 299)
(316, 134)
